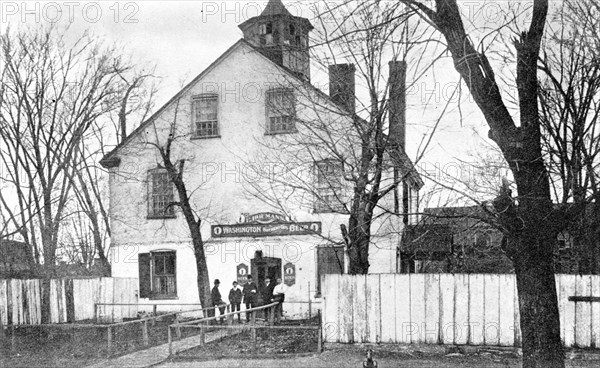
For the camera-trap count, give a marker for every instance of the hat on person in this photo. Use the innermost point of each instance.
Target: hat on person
(235, 283)
(217, 281)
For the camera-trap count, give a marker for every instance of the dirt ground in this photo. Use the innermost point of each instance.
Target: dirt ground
(353, 357)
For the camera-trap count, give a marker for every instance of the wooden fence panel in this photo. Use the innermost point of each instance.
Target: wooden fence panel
(431, 328)
(387, 283)
(70, 300)
(373, 330)
(417, 308)
(34, 305)
(447, 326)
(595, 313)
(477, 309)
(3, 303)
(492, 306)
(402, 308)
(329, 292)
(331, 323)
(461, 309)
(567, 309)
(506, 318)
(359, 311)
(449, 309)
(583, 323)
(347, 303)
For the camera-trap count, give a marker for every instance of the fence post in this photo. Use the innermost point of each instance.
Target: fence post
(96, 314)
(272, 311)
(178, 330)
(253, 327)
(109, 339)
(320, 340)
(154, 311)
(145, 333)
(170, 338)
(202, 335)
(12, 337)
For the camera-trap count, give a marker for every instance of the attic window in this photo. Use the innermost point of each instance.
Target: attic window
(281, 111)
(266, 28)
(206, 111)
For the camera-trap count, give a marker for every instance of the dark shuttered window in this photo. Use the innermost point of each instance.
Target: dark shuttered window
(157, 274)
(330, 260)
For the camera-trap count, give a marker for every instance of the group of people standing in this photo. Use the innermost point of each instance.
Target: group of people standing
(270, 293)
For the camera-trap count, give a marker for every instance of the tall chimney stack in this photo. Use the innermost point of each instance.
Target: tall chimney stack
(397, 103)
(342, 86)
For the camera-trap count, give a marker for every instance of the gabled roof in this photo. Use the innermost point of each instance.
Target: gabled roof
(398, 155)
(110, 159)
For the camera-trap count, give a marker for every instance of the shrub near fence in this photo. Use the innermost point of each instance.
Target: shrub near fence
(475, 309)
(70, 300)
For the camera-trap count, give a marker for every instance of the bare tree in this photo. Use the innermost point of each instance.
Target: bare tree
(569, 95)
(529, 221)
(344, 157)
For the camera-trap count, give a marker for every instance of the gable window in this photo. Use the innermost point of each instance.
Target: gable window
(205, 113)
(160, 194)
(328, 186)
(157, 275)
(281, 111)
(330, 260)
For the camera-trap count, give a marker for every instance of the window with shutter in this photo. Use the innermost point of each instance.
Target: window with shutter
(144, 275)
(157, 275)
(330, 260)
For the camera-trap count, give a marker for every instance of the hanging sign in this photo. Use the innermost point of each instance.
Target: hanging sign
(242, 274)
(289, 274)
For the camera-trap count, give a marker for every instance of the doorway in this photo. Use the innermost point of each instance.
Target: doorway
(263, 268)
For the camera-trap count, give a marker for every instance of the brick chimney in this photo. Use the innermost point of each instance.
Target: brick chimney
(397, 103)
(342, 86)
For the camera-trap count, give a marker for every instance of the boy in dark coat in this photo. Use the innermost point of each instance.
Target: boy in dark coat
(250, 295)
(235, 299)
(217, 301)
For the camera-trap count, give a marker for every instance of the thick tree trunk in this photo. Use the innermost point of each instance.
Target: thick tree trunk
(359, 238)
(540, 327)
(202, 278)
(528, 223)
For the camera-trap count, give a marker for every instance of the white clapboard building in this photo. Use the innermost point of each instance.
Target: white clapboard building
(225, 124)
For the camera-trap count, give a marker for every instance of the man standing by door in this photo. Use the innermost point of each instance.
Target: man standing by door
(267, 295)
(250, 296)
(279, 297)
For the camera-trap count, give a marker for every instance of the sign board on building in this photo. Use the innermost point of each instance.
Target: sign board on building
(263, 218)
(242, 274)
(289, 274)
(272, 229)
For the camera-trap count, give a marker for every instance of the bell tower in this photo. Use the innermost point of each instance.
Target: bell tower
(281, 36)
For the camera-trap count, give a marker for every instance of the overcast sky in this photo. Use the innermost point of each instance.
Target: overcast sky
(184, 37)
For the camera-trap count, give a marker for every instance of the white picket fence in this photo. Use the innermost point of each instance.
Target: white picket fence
(459, 309)
(70, 300)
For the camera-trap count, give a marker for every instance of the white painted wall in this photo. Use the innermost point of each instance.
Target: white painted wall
(216, 170)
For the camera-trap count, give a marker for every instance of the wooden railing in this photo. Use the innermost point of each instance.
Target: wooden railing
(203, 325)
